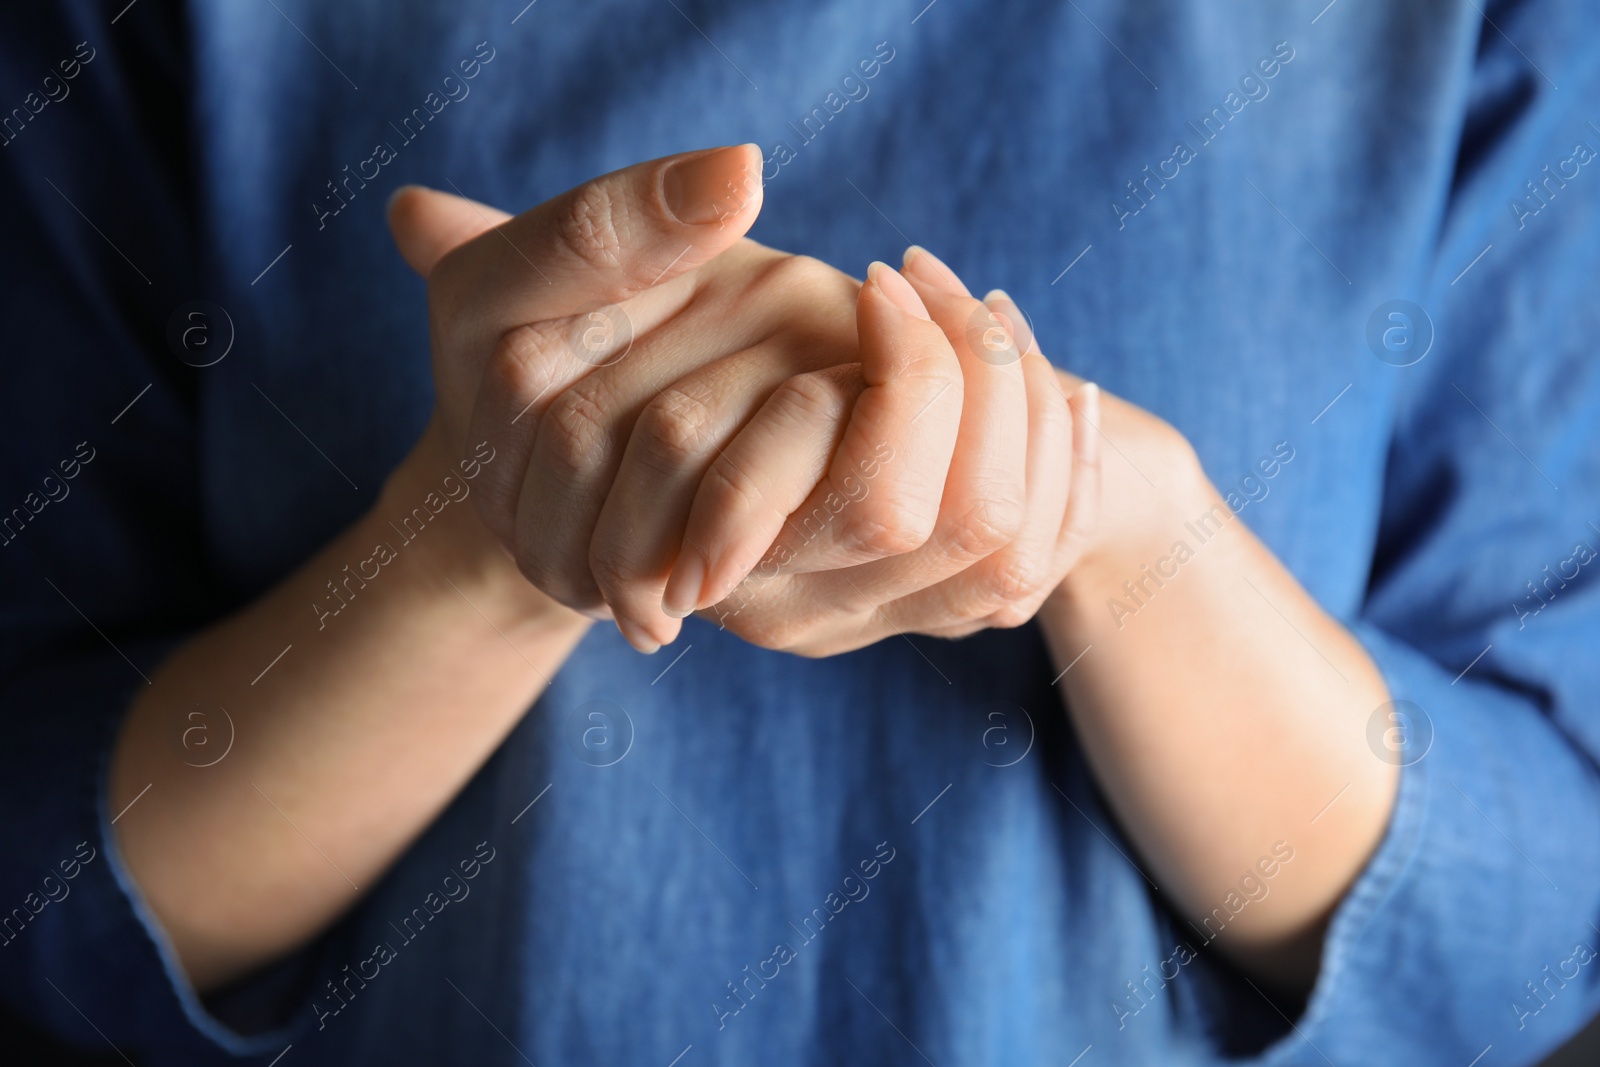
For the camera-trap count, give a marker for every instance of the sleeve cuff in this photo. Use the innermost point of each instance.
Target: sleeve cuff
(1469, 897)
(105, 953)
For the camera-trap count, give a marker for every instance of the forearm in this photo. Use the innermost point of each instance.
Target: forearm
(347, 747)
(1223, 711)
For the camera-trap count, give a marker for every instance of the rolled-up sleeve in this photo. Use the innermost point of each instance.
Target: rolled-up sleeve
(1475, 924)
(81, 955)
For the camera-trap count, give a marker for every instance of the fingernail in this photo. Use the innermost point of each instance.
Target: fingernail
(637, 637)
(1090, 392)
(931, 270)
(1000, 303)
(682, 594)
(897, 289)
(712, 186)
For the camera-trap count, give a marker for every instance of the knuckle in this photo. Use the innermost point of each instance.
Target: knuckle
(520, 359)
(731, 491)
(778, 633)
(887, 529)
(789, 280)
(801, 276)
(521, 346)
(815, 397)
(1011, 617)
(575, 433)
(988, 526)
(587, 226)
(962, 629)
(678, 427)
(1013, 589)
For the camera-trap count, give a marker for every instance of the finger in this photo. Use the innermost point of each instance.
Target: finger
(680, 434)
(1006, 310)
(985, 496)
(761, 479)
(985, 493)
(427, 224)
(900, 438)
(1082, 518)
(531, 366)
(1006, 588)
(600, 243)
(630, 212)
(584, 433)
(1082, 514)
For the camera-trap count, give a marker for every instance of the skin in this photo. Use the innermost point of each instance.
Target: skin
(757, 385)
(1220, 719)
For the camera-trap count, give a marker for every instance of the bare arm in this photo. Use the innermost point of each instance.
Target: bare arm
(369, 686)
(349, 746)
(1222, 709)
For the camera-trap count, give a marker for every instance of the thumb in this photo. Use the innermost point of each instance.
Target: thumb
(608, 239)
(426, 224)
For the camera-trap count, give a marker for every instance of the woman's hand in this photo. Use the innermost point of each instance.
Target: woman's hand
(665, 400)
(521, 308)
(606, 343)
(956, 506)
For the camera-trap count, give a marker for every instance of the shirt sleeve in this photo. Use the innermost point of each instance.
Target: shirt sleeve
(1474, 925)
(102, 548)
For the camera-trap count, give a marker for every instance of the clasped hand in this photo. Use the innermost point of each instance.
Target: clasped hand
(689, 422)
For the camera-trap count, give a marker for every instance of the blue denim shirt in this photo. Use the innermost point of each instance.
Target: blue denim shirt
(1348, 250)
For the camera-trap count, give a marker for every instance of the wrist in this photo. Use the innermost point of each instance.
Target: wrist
(1153, 492)
(425, 513)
